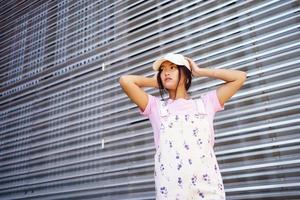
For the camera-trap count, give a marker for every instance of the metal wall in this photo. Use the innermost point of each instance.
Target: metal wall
(69, 132)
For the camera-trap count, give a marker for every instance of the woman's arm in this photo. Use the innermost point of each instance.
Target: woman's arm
(132, 86)
(234, 80)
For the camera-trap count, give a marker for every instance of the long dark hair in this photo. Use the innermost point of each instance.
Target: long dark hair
(182, 69)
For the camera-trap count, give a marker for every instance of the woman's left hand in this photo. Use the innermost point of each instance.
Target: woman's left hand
(194, 66)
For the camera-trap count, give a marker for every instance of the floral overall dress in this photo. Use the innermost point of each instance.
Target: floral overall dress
(185, 164)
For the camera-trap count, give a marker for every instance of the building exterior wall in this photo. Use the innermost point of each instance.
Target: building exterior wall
(67, 131)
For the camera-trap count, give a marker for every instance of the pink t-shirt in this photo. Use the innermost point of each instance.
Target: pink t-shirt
(185, 106)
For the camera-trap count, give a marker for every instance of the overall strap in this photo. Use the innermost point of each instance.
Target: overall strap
(200, 106)
(163, 109)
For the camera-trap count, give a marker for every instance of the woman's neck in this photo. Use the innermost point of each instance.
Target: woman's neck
(179, 95)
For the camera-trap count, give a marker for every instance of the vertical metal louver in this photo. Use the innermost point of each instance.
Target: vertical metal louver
(69, 132)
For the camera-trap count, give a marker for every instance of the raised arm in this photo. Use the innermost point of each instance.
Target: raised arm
(234, 80)
(132, 86)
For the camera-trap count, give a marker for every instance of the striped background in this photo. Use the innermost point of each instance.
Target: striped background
(67, 131)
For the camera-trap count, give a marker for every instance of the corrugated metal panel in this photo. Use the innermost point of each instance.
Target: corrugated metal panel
(69, 132)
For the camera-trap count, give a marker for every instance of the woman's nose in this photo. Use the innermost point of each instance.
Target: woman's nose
(167, 72)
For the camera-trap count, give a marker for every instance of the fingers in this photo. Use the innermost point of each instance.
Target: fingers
(188, 59)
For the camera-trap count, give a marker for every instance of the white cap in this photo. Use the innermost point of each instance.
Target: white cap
(177, 59)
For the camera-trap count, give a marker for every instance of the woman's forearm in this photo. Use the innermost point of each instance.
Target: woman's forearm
(234, 80)
(141, 81)
(227, 75)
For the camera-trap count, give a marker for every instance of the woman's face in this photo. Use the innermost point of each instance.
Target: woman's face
(169, 75)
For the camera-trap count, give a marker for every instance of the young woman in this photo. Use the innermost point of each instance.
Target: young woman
(185, 163)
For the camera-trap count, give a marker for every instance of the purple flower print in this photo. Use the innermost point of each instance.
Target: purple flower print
(190, 161)
(179, 181)
(162, 167)
(186, 146)
(179, 166)
(220, 186)
(206, 178)
(201, 194)
(194, 179)
(176, 117)
(186, 117)
(197, 115)
(199, 141)
(163, 190)
(216, 169)
(177, 155)
(195, 132)
(170, 144)
(171, 125)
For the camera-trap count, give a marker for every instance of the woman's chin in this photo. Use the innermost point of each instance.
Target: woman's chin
(170, 87)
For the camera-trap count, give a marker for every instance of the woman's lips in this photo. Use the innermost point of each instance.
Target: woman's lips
(168, 79)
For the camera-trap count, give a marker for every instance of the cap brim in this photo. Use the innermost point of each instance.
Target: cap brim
(158, 63)
(181, 61)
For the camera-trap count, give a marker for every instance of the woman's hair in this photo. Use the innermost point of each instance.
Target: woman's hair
(182, 69)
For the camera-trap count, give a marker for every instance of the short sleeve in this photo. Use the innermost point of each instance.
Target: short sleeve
(149, 107)
(152, 113)
(211, 102)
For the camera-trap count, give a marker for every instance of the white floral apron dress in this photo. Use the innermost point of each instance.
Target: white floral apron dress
(185, 164)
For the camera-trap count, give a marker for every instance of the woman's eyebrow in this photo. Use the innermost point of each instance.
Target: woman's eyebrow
(171, 65)
(163, 65)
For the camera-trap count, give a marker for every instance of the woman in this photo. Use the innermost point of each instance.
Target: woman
(185, 163)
